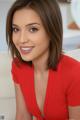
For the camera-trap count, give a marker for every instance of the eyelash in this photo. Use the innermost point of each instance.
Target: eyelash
(32, 30)
(15, 30)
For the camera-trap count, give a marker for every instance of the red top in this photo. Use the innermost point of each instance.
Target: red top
(63, 88)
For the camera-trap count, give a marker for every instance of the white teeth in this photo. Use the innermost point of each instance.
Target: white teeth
(26, 48)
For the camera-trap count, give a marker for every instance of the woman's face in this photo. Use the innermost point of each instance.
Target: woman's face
(29, 35)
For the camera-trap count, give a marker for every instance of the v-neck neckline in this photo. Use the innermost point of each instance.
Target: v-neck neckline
(46, 95)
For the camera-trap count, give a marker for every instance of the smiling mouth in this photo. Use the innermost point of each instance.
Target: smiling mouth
(26, 50)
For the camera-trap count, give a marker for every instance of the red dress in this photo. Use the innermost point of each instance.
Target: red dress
(63, 88)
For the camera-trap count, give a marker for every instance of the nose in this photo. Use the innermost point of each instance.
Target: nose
(23, 37)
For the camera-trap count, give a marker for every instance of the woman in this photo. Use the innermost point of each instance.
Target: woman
(47, 83)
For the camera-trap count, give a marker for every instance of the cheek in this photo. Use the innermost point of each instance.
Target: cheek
(43, 41)
(43, 38)
(43, 45)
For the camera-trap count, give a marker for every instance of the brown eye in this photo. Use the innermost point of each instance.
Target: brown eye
(15, 30)
(32, 30)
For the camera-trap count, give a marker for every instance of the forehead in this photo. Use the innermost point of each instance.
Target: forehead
(25, 16)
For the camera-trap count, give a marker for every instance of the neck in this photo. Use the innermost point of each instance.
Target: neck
(40, 63)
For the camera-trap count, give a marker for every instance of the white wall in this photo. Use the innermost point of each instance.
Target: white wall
(7, 95)
(7, 91)
(4, 6)
(71, 38)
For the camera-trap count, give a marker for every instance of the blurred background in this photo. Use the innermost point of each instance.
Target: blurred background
(71, 42)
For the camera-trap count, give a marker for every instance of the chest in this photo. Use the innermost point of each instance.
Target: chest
(40, 87)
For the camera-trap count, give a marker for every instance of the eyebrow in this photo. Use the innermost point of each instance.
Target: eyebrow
(27, 24)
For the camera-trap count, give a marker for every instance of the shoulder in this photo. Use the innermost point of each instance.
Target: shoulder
(20, 71)
(67, 66)
(70, 67)
(69, 59)
(70, 71)
(18, 66)
(68, 63)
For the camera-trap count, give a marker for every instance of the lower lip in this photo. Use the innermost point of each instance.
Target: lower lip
(25, 51)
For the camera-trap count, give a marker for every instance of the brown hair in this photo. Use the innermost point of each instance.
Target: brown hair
(50, 15)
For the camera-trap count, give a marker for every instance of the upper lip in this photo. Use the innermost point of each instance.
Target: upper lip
(26, 46)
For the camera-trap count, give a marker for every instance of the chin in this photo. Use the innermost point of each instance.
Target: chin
(27, 59)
